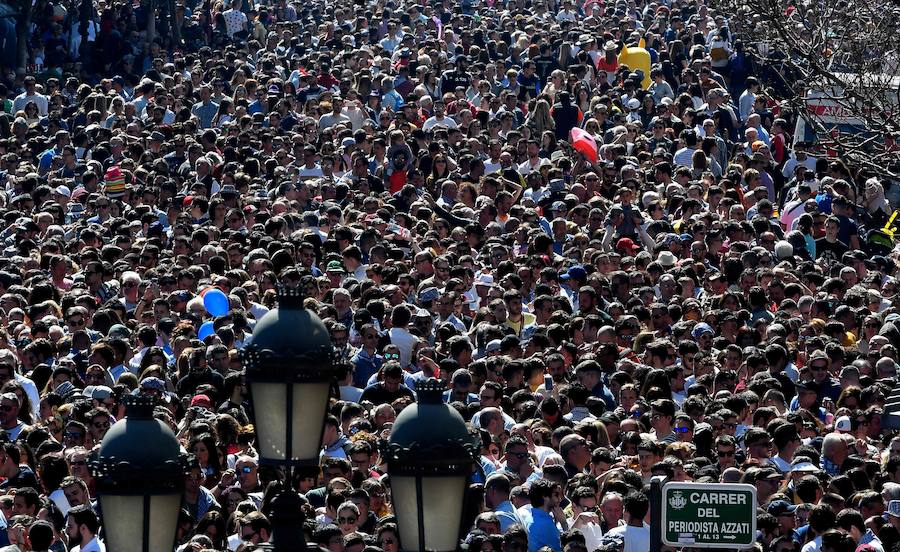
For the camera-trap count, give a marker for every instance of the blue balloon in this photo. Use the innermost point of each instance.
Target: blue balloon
(216, 302)
(205, 330)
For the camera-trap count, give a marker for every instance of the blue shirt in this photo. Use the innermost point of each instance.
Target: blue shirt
(46, 159)
(541, 529)
(506, 514)
(365, 366)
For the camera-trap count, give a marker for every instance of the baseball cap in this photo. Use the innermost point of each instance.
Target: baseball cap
(701, 329)
(429, 294)
(492, 346)
(894, 508)
(626, 244)
(804, 467)
(780, 508)
(335, 267)
(98, 392)
(119, 330)
(201, 400)
(153, 383)
(578, 272)
(842, 425)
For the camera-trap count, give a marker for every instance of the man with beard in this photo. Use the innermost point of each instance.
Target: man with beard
(81, 528)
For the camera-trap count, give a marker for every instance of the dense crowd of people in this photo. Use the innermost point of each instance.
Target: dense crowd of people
(690, 291)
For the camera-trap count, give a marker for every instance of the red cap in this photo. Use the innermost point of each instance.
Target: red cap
(626, 244)
(201, 400)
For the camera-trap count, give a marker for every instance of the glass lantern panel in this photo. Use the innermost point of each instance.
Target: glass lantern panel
(442, 498)
(308, 416)
(123, 522)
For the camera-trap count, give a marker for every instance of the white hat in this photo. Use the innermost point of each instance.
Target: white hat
(634, 103)
(484, 280)
(63, 191)
(804, 467)
(842, 424)
(667, 259)
(894, 508)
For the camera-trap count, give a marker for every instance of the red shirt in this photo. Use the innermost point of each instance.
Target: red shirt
(396, 181)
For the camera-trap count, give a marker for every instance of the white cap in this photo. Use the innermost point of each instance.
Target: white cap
(804, 467)
(894, 508)
(634, 103)
(63, 191)
(842, 424)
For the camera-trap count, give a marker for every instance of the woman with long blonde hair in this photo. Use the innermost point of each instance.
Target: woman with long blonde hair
(540, 117)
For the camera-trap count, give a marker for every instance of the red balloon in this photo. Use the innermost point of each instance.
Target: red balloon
(583, 142)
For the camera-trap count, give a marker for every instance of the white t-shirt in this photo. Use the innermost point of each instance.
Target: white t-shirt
(792, 211)
(235, 21)
(433, 122)
(404, 341)
(307, 174)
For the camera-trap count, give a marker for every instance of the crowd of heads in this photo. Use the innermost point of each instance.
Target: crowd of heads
(618, 271)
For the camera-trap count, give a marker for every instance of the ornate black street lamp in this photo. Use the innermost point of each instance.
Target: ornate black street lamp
(289, 371)
(140, 480)
(429, 456)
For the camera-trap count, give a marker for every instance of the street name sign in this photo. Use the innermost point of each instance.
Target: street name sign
(709, 515)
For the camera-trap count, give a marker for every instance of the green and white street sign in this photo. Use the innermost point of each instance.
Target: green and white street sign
(709, 515)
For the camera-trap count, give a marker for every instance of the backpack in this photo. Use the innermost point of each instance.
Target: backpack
(718, 54)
